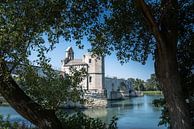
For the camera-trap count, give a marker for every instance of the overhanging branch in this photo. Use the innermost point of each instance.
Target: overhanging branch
(23, 104)
(145, 10)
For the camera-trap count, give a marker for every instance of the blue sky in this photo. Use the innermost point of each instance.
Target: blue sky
(112, 66)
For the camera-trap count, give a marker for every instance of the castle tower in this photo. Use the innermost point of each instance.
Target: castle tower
(69, 54)
(96, 79)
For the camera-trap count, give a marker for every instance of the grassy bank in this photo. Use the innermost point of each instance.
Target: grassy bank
(152, 92)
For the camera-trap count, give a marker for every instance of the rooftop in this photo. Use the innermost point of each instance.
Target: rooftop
(76, 62)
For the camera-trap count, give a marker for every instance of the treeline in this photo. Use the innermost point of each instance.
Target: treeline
(150, 84)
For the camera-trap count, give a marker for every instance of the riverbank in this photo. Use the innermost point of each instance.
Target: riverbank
(152, 92)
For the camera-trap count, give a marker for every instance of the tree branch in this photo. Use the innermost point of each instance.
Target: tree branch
(24, 105)
(144, 8)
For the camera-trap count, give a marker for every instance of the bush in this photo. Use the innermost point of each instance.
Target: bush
(164, 118)
(76, 121)
(6, 124)
(81, 121)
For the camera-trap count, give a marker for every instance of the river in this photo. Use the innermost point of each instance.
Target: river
(133, 113)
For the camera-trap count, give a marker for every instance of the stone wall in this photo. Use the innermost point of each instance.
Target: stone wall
(90, 103)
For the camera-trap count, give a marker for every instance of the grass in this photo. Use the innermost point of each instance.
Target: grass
(152, 92)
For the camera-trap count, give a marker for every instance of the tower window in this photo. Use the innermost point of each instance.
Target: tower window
(90, 79)
(90, 60)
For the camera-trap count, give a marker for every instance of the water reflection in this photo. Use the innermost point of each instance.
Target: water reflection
(134, 113)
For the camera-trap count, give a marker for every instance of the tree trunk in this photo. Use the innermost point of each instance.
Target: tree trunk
(25, 106)
(167, 66)
(166, 35)
(168, 75)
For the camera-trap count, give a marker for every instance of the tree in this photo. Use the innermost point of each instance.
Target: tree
(138, 28)
(132, 81)
(37, 25)
(152, 83)
(51, 89)
(185, 63)
(134, 29)
(138, 84)
(25, 26)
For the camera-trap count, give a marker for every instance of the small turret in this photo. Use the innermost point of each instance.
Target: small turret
(69, 53)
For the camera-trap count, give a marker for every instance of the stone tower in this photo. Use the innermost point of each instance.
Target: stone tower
(69, 54)
(96, 78)
(95, 81)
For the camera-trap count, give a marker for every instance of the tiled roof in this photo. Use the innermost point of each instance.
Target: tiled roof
(76, 62)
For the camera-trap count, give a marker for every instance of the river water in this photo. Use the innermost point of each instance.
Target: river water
(133, 113)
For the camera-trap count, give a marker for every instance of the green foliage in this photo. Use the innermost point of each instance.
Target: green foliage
(73, 120)
(6, 124)
(81, 121)
(152, 83)
(110, 26)
(113, 124)
(51, 88)
(125, 30)
(164, 118)
(25, 24)
(69, 121)
(185, 61)
(137, 84)
(185, 56)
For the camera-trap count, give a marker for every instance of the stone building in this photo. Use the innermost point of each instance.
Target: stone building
(96, 83)
(94, 66)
